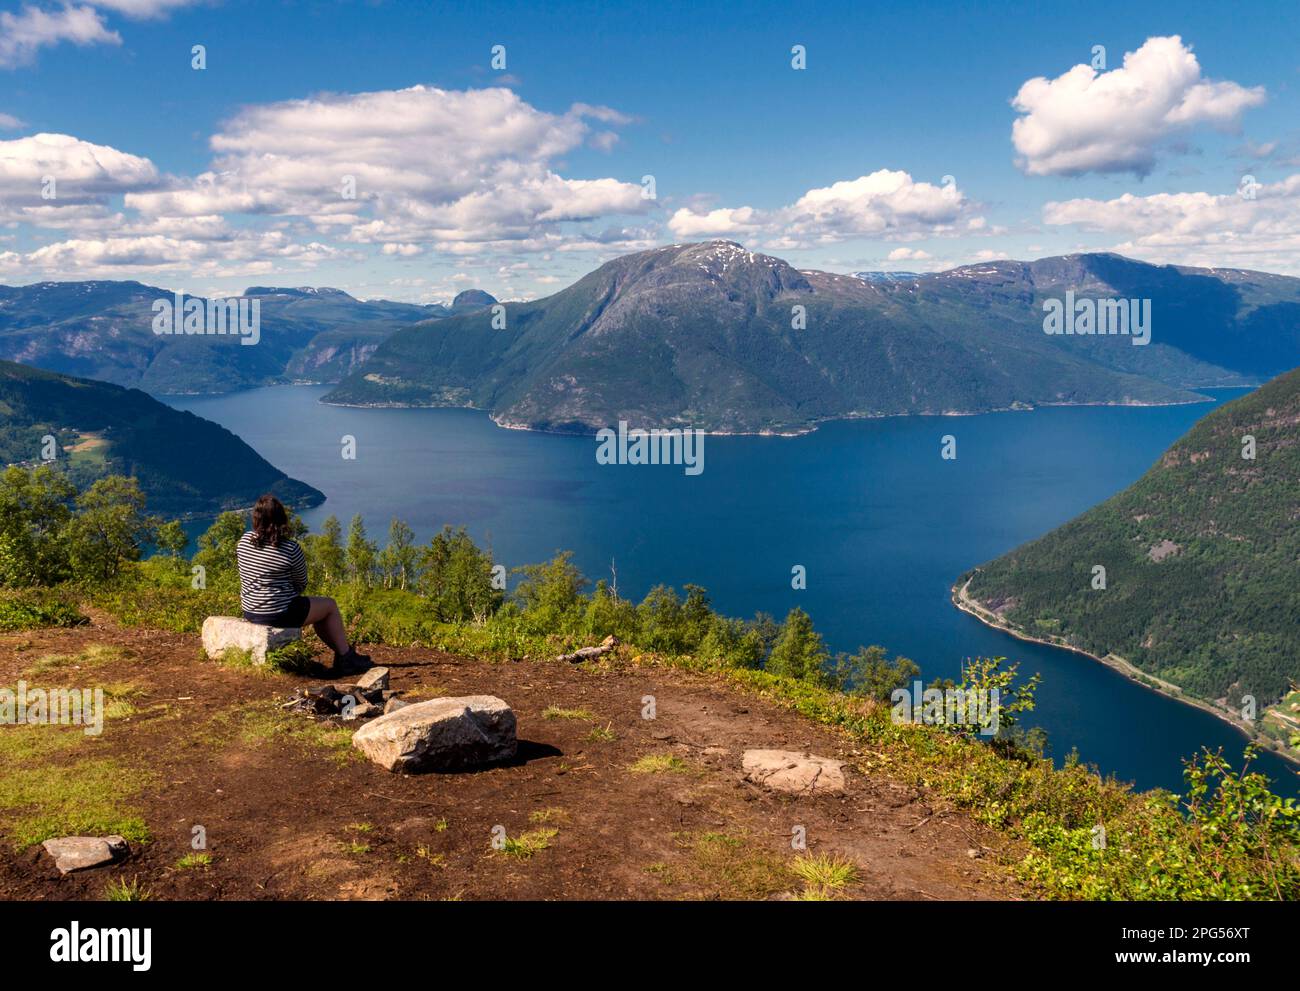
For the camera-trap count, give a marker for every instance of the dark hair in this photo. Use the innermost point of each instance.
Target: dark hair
(270, 521)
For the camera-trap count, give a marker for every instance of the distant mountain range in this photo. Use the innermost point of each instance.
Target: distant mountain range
(104, 330)
(185, 464)
(705, 335)
(1201, 559)
(887, 278)
(715, 337)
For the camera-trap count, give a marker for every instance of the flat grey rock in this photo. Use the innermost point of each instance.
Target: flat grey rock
(374, 680)
(81, 853)
(794, 773)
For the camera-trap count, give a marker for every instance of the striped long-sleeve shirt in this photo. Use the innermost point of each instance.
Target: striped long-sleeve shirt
(270, 577)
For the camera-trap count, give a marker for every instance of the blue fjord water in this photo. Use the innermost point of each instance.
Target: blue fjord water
(880, 521)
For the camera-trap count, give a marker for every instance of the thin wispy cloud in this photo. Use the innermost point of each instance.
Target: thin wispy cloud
(25, 33)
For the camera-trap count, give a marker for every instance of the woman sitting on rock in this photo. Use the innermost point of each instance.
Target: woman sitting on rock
(272, 577)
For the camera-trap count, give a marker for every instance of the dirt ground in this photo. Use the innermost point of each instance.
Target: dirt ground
(291, 811)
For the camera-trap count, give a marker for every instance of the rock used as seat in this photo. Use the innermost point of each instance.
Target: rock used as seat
(442, 734)
(798, 774)
(223, 633)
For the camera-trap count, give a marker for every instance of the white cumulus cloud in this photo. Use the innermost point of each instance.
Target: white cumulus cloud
(886, 204)
(414, 166)
(1116, 121)
(83, 174)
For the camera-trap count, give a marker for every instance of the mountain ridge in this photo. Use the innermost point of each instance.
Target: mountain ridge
(705, 336)
(103, 330)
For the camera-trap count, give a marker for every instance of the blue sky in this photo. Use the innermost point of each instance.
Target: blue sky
(520, 180)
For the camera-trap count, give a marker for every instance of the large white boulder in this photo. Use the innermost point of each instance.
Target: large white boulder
(221, 633)
(441, 734)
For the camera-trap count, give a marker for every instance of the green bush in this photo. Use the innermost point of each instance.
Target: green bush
(26, 609)
(157, 593)
(385, 615)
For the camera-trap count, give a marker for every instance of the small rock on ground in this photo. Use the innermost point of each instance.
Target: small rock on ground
(80, 853)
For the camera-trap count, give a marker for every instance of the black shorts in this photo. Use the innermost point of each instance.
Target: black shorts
(295, 614)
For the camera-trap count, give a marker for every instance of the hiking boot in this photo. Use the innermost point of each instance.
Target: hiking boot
(352, 662)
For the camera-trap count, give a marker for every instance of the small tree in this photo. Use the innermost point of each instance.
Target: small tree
(216, 553)
(325, 551)
(109, 528)
(550, 596)
(798, 651)
(659, 620)
(34, 514)
(767, 630)
(986, 675)
(397, 561)
(456, 577)
(733, 642)
(171, 541)
(869, 673)
(608, 613)
(697, 617)
(361, 553)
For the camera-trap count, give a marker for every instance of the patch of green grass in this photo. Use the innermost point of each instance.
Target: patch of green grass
(360, 827)
(441, 825)
(422, 692)
(24, 744)
(548, 815)
(824, 875)
(122, 890)
(659, 763)
(194, 861)
(523, 847)
(238, 657)
(265, 722)
(94, 655)
(662, 871)
(295, 657)
(735, 867)
(118, 696)
(118, 709)
(555, 712)
(602, 734)
(815, 893)
(435, 859)
(88, 797)
(356, 848)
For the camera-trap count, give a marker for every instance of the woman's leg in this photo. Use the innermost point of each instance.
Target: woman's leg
(324, 616)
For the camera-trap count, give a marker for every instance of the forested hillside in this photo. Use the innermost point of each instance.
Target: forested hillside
(1201, 559)
(184, 463)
